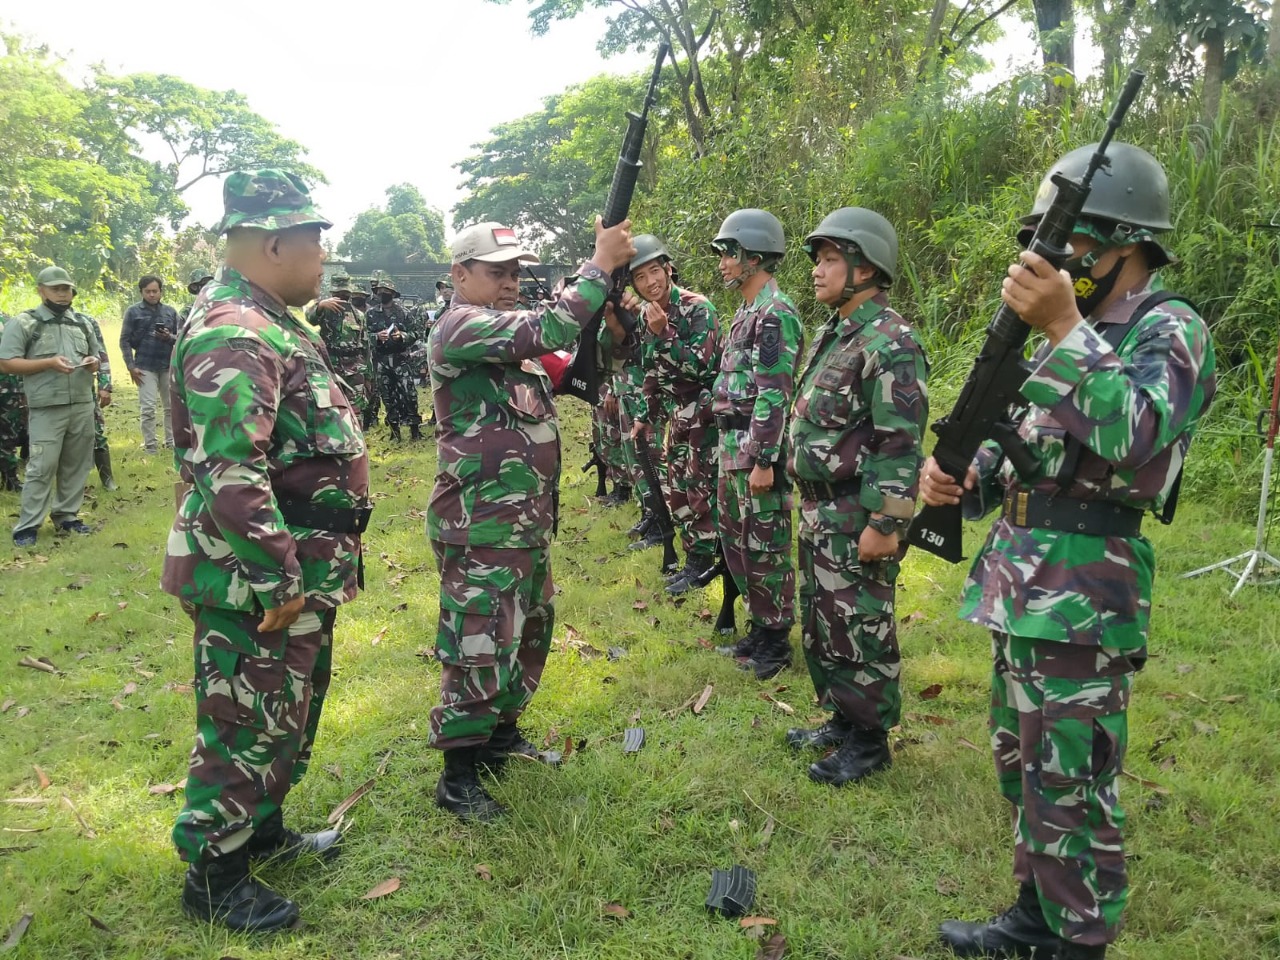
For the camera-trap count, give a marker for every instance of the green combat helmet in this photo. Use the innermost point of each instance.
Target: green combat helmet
(747, 233)
(1129, 202)
(54, 277)
(648, 247)
(267, 199)
(197, 279)
(864, 237)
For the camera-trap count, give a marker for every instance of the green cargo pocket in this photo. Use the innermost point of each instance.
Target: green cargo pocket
(1083, 737)
(468, 632)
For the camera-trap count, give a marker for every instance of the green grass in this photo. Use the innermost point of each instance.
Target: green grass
(863, 872)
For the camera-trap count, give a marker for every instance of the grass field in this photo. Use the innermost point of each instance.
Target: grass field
(610, 856)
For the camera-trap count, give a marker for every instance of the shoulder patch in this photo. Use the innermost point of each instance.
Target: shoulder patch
(246, 344)
(770, 340)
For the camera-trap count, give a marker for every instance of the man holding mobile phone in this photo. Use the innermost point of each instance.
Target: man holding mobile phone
(146, 341)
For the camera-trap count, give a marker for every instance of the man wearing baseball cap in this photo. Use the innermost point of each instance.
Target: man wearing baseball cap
(493, 510)
(265, 545)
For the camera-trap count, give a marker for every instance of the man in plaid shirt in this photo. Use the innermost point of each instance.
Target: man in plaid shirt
(146, 341)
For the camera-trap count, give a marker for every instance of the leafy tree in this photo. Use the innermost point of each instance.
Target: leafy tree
(404, 231)
(1228, 32)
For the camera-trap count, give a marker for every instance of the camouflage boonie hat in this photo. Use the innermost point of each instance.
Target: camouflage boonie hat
(384, 283)
(490, 242)
(54, 277)
(267, 200)
(444, 283)
(198, 276)
(340, 284)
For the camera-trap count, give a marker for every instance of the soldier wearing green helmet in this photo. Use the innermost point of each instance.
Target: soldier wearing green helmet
(1064, 583)
(681, 357)
(856, 429)
(752, 396)
(55, 349)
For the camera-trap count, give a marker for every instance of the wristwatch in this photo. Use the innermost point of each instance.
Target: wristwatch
(887, 526)
(764, 463)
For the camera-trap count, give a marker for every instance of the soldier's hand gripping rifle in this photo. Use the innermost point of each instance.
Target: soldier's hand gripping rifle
(583, 378)
(982, 412)
(602, 472)
(656, 504)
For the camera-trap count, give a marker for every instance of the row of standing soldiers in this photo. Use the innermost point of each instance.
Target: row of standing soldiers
(376, 348)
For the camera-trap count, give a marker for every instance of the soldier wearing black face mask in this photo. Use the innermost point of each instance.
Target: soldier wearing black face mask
(393, 332)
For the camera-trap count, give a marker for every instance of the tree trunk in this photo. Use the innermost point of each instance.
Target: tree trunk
(930, 55)
(1273, 38)
(1214, 55)
(1057, 46)
(1111, 32)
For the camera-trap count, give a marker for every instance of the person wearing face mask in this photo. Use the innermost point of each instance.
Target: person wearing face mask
(392, 332)
(56, 352)
(1124, 376)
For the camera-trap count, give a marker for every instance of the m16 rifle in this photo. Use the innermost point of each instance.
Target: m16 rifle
(982, 412)
(583, 378)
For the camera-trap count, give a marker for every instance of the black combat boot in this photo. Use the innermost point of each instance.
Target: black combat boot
(1021, 931)
(772, 653)
(102, 460)
(395, 432)
(696, 574)
(459, 790)
(276, 842)
(832, 733)
(652, 538)
(506, 741)
(220, 890)
(641, 526)
(1079, 951)
(745, 647)
(9, 481)
(862, 754)
(415, 431)
(621, 495)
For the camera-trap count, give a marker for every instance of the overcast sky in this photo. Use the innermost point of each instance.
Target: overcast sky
(347, 82)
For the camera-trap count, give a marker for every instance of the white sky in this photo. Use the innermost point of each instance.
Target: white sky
(353, 103)
(314, 71)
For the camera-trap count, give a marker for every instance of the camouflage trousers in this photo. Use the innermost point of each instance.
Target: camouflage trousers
(606, 440)
(496, 618)
(1059, 731)
(259, 697)
(634, 474)
(13, 433)
(397, 383)
(850, 636)
(755, 532)
(356, 375)
(692, 465)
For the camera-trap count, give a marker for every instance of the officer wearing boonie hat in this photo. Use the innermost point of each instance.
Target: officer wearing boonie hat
(265, 545)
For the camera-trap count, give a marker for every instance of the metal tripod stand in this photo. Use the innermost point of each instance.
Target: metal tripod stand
(1257, 562)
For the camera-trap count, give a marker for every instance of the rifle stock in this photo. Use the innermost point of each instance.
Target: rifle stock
(656, 504)
(583, 378)
(999, 371)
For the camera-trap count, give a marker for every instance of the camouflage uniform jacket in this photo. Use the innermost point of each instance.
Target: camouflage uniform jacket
(343, 331)
(497, 436)
(41, 333)
(1135, 410)
(10, 383)
(756, 378)
(381, 316)
(680, 364)
(623, 366)
(860, 410)
(258, 414)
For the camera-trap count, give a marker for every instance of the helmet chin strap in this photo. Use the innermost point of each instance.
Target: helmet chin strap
(851, 289)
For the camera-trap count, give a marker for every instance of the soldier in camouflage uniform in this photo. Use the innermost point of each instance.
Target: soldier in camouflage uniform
(55, 349)
(1064, 582)
(681, 358)
(102, 400)
(393, 332)
(343, 332)
(373, 402)
(13, 425)
(196, 281)
(265, 544)
(494, 507)
(752, 397)
(856, 427)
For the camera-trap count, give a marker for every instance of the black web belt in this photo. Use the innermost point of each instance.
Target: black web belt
(733, 421)
(1098, 518)
(303, 513)
(820, 490)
